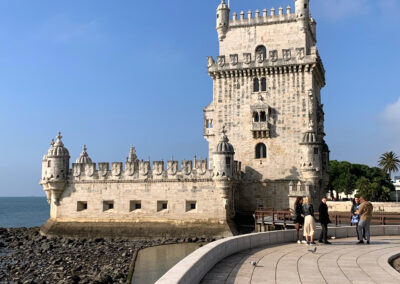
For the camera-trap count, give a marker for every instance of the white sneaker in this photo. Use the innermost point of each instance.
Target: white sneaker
(299, 242)
(304, 242)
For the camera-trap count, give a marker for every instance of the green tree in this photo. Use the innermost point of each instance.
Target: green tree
(372, 183)
(389, 162)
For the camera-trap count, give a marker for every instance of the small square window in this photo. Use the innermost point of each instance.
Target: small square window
(135, 205)
(108, 205)
(81, 205)
(191, 206)
(162, 205)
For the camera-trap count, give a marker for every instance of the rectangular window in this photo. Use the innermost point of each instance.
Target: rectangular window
(316, 151)
(81, 205)
(135, 205)
(162, 205)
(108, 205)
(191, 205)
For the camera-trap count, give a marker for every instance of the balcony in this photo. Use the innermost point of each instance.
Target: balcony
(261, 129)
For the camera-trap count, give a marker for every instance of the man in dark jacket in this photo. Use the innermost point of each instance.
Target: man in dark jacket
(324, 220)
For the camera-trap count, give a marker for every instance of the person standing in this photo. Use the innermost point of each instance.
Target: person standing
(324, 220)
(365, 213)
(309, 221)
(355, 218)
(298, 218)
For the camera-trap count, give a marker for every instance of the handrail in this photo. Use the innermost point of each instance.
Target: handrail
(338, 218)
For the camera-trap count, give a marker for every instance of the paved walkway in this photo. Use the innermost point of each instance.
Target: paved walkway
(342, 262)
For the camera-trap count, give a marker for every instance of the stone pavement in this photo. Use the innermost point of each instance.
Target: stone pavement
(342, 262)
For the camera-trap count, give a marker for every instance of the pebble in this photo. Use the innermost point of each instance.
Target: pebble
(28, 257)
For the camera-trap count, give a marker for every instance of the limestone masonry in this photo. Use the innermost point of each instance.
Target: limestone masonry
(267, 86)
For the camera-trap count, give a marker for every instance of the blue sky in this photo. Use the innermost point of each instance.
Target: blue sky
(111, 74)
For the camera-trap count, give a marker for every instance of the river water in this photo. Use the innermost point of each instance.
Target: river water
(152, 263)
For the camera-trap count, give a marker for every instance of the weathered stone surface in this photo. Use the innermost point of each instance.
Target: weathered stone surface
(267, 83)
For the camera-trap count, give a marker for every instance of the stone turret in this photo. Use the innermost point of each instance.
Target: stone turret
(311, 148)
(223, 161)
(222, 20)
(223, 158)
(55, 168)
(302, 12)
(84, 157)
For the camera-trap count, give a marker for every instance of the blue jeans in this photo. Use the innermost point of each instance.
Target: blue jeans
(363, 225)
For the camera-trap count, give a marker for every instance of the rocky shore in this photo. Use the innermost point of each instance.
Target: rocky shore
(28, 257)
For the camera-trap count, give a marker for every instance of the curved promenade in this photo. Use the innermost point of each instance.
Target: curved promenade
(342, 262)
(280, 260)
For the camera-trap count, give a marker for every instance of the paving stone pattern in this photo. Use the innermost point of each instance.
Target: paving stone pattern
(342, 262)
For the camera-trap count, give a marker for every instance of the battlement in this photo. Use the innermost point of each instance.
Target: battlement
(272, 16)
(275, 58)
(142, 171)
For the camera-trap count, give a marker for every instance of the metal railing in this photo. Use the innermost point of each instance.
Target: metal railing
(285, 217)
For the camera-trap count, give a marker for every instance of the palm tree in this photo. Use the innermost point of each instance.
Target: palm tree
(389, 162)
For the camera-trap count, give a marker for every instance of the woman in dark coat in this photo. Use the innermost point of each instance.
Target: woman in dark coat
(298, 218)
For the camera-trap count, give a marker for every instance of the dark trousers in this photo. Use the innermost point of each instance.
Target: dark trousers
(324, 233)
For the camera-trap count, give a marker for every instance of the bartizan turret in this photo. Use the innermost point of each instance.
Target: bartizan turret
(223, 173)
(55, 168)
(222, 20)
(302, 13)
(311, 149)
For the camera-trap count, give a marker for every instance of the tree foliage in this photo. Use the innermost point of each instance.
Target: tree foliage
(373, 183)
(389, 162)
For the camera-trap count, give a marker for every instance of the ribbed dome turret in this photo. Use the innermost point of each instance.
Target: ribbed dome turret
(223, 5)
(57, 148)
(84, 157)
(223, 146)
(310, 137)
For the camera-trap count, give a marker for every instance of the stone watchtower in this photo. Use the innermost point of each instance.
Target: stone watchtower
(267, 83)
(55, 170)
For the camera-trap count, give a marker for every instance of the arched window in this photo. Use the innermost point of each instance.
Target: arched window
(263, 116)
(263, 84)
(256, 85)
(261, 151)
(256, 117)
(48, 164)
(261, 53)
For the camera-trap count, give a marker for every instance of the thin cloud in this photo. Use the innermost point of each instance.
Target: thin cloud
(335, 10)
(391, 115)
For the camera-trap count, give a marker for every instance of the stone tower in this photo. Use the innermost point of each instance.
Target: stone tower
(55, 169)
(267, 83)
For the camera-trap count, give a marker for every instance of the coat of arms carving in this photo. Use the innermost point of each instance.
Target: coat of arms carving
(130, 168)
(187, 167)
(273, 54)
(116, 169)
(144, 168)
(158, 167)
(201, 166)
(90, 169)
(172, 167)
(221, 61)
(234, 59)
(287, 54)
(103, 169)
(77, 170)
(247, 58)
(300, 53)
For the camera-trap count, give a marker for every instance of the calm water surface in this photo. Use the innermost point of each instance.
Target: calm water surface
(152, 263)
(18, 212)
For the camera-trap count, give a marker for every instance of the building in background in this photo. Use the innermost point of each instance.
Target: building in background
(267, 81)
